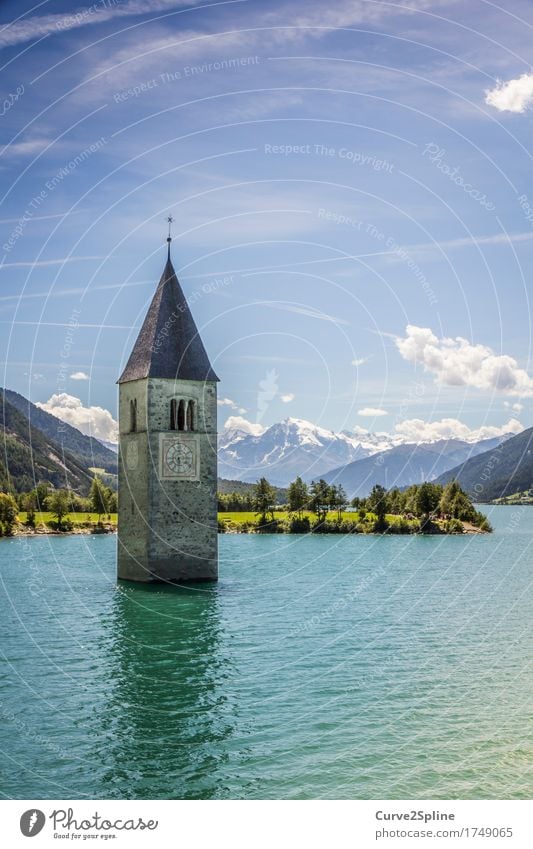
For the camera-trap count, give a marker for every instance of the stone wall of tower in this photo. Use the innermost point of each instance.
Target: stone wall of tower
(133, 483)
(179, 521)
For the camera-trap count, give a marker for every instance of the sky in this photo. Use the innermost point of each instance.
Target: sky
(351, 190)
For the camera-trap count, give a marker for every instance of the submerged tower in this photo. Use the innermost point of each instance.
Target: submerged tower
(167, 515)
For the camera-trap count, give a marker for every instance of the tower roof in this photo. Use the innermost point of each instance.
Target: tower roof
(168, 344)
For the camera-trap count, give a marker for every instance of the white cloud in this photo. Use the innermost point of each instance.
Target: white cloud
(227, 402)
(516, 408)
(417, 430)
(512, 96)
(456, 362)
(79, 375)
(372, 412)
(93, 421)
(237, 423)
(288, 397)
(360, 361)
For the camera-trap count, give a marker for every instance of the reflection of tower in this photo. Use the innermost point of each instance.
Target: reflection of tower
(167, 524)
(166, 710)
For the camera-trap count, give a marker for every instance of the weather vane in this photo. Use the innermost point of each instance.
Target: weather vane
(169, 237)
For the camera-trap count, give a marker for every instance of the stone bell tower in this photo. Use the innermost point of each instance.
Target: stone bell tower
(167, 514)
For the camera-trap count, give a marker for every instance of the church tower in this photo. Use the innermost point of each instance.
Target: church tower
(167, 515)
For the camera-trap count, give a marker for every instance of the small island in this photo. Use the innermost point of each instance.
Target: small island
(323, 508)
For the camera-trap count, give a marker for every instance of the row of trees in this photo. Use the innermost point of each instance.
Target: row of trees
(235, 502)
(59, 502)
(425, 502)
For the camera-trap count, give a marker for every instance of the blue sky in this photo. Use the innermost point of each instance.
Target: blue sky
(351, 187)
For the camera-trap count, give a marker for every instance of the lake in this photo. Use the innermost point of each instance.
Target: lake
(318, 667)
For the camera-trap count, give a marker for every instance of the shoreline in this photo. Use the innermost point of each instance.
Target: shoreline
(47, 532)
(89, 532)
(43, 530)
(470, 531)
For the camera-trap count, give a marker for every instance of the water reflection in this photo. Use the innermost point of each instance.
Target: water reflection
(167, 717)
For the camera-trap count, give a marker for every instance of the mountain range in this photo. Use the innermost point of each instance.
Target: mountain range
(357, 460)
(37, 446)
(290, 448)
(92, 452)
(501, 471)
(407, 464)
(28, 456)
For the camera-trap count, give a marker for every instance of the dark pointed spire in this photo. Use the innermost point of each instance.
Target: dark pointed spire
(168, 345)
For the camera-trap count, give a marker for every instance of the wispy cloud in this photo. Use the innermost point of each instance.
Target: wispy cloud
(39, 26)
(423, 249)
(316, 19)
(42, 263)
(24, 148)
(255, 30)
(309, 312)
(42, 217)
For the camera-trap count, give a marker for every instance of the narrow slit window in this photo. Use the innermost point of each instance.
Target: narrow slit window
(133, 416)
(173, 414)
(181, 415)
(190, 416)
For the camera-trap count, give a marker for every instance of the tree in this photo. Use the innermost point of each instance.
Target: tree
(59, 504)
(264, 500)
(427, 499)
(447, 499)
(112, 504)
(42, 491)
(8, 513)
(455, 503)
(298, 496)
(395, 501)
(320, 498)
(29, 504)
(99, 498)
(377, 502)
(339, 499)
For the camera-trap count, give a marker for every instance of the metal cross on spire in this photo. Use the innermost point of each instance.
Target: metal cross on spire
(169, 237)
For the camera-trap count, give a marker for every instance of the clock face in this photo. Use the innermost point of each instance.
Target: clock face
(179, 456)
(180, 459)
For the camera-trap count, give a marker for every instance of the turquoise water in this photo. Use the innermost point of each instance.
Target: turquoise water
(318, 667)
